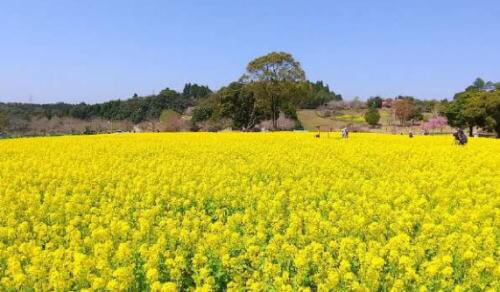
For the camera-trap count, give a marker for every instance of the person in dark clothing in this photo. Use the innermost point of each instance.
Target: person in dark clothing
(460, 137)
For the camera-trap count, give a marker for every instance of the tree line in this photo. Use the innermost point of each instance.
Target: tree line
(477, 106)
(273, 85)
(136, 109)
(267, 95)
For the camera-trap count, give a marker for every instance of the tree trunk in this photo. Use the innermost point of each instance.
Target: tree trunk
(251, 122)
(471, 131)
(273, 110)
(274, 104)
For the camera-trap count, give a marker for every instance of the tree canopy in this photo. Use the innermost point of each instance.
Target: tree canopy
(403, 109)
(477, 106)
(194, 91)
(275, 66)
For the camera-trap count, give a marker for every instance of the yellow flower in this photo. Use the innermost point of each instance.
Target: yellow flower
(248, 211)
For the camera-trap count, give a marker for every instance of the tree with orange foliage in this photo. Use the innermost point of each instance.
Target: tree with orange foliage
(403, 109)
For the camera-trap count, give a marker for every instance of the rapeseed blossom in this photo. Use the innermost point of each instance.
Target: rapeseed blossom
(249, 211)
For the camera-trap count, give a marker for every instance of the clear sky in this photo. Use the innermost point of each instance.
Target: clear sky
(96, 50)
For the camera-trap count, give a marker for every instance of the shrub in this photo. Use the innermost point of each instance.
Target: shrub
(372, 116)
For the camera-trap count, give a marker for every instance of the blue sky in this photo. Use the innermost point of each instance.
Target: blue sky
(96, 50)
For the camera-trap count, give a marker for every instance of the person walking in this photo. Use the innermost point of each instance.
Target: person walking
(345, 133)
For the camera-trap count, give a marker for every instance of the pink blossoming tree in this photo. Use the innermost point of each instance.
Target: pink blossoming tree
(435, 123)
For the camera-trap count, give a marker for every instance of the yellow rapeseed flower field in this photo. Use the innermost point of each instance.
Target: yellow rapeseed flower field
(242, 211)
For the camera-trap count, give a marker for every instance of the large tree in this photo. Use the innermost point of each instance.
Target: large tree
(275, 66)
(455, 111)
(272, 78)
(475, 107)
(483, 110)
